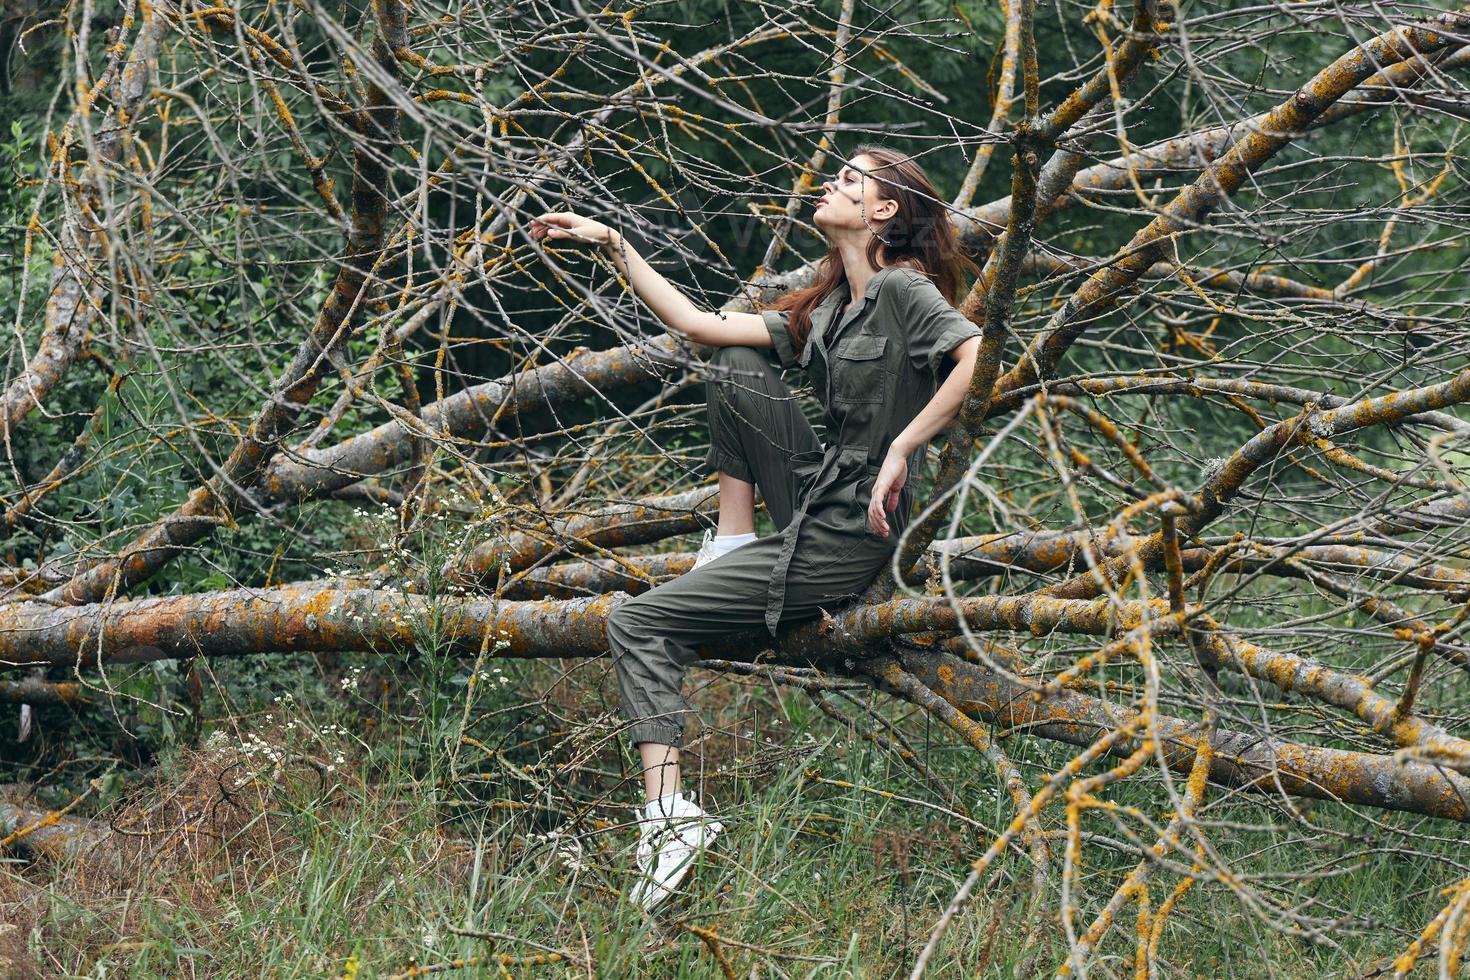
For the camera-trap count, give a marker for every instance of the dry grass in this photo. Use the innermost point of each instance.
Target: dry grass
(288, 846)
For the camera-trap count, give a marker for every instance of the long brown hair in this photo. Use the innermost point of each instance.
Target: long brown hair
(919, 237)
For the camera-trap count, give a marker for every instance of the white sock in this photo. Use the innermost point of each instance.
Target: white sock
(729, 542)
(664, 806)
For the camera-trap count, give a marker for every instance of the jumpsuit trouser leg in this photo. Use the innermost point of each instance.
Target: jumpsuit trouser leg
(757, 434)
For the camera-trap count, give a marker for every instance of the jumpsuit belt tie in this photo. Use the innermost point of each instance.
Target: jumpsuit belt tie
(826, 475)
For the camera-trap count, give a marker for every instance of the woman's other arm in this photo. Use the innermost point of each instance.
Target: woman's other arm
(932, 419)
(667, 301)
(935, 417)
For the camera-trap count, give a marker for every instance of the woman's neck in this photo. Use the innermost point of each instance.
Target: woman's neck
(856, 266)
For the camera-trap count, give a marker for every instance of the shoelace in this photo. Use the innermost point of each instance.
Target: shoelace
(655, 839)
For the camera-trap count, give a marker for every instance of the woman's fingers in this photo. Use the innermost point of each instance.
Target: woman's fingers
(564, 224)
(883, 501)
(551, 224)
(877, 519)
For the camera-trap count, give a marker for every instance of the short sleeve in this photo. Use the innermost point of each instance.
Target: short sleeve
(776, 321)
(931, 327)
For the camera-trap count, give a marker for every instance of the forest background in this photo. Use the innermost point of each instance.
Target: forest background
(213, 177)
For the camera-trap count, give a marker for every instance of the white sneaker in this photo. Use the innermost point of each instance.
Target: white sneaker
(706, 549)
(667, 849)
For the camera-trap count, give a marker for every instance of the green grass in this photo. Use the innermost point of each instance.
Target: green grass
(371, 865)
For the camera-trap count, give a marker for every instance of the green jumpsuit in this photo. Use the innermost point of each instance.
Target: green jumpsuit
(873, 372)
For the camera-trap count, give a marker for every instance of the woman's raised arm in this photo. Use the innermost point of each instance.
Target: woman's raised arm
(666, 300)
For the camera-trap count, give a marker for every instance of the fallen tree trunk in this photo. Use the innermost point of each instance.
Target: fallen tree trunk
(1031, 552)
(467, 414)
(312, 617)
(38, 832)
(639, 522)
(243, 622)
(37, 690)
(1252, 761)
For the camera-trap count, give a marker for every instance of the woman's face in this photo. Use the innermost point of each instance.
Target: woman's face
(845, 199)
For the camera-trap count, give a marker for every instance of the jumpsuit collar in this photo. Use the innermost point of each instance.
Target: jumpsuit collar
(826, 311)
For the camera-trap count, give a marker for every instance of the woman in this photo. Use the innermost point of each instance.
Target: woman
(873, 332)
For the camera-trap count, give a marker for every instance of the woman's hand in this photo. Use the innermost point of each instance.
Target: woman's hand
(891, 478)
(573, 227)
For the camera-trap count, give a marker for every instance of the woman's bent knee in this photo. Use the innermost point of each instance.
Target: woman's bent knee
(740, 369)
(740, 356)
(737, 397)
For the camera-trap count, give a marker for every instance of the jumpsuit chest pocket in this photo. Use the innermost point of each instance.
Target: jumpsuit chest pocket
(859, 369)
